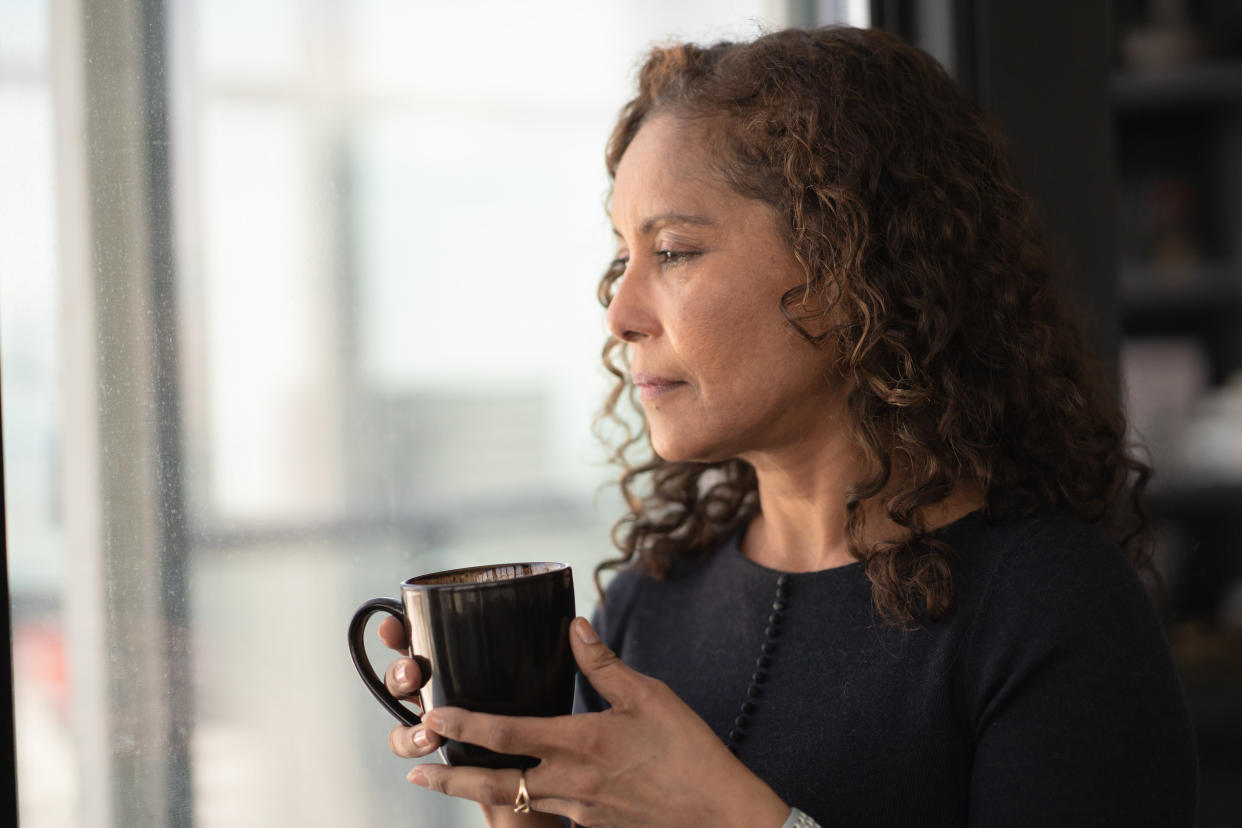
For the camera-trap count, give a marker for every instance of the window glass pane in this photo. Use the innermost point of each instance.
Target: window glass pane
(386, 230)
(30, 310)
(248, 41)
(468, 289)
(261, 362)
(24, 47)
(29, 319)
(444, 52)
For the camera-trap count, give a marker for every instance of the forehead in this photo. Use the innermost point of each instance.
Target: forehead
(666, 139)
(668, 160)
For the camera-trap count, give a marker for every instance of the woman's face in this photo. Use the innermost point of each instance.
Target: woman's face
(720, 372)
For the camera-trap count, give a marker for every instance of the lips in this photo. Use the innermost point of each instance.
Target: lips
(651, 386)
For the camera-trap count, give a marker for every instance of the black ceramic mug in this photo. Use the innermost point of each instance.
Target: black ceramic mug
(495, 639)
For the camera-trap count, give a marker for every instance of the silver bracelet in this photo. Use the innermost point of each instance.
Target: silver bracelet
(797, 819)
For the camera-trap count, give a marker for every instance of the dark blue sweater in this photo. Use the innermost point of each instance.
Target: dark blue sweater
(1048, 698)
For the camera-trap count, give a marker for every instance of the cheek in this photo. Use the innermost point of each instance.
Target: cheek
(729, 322)
(717, 336)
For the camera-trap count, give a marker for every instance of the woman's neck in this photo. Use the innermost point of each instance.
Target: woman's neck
(802, 522)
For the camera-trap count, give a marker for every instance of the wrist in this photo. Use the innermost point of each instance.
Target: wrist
(755, 805)
(798, 819)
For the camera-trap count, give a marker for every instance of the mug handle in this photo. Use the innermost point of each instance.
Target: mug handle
(362, 664)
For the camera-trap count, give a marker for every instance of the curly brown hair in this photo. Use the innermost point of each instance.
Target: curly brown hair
(926, 271)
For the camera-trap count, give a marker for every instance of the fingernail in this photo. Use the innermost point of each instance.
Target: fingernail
(584, 632)
(420, 737)
(417, 776)
(433, 722)
(402, 673)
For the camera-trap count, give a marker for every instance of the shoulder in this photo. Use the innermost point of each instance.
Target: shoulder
(1053, 598)
(1062, 646)
(1057, 566)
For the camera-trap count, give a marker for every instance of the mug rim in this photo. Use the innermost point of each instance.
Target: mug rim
(555, 568)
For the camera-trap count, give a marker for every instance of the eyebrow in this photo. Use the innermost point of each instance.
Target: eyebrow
(665, 219)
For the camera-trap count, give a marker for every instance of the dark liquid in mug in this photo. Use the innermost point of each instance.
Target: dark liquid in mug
(484, 574)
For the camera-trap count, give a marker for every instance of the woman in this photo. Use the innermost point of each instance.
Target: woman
(881, 568)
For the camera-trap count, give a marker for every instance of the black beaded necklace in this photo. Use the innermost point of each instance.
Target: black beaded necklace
(755, 691)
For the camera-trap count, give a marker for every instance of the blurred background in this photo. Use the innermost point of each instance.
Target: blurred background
(1177, 102)
(297, 300)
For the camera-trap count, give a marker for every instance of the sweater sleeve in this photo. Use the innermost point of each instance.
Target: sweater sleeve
(1070, 691)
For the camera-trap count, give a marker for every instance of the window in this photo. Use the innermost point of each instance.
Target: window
(297, 300)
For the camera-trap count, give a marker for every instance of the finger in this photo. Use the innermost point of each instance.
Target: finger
(540, 736)
(562, 807)
(412, 742)
(403, 678)
(600, 666)
(393, 634)
(488, 787)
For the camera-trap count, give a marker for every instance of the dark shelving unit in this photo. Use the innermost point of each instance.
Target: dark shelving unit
(1177, 108)
(1156, 309)
(1208, 83)
(1178, 132)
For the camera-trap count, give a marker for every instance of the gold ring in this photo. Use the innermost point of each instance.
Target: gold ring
(521, 805)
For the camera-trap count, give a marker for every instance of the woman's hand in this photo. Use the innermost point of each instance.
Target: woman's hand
(649, 760)
(403, 678)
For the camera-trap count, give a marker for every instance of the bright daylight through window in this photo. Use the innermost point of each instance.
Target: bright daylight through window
(298, 300)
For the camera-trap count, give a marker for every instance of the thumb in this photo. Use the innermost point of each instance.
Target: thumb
(600, 665)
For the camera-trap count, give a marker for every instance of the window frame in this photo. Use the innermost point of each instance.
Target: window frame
(8, 736)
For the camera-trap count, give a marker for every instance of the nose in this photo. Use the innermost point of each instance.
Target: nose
(631, 315)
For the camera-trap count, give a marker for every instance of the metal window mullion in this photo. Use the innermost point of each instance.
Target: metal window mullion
(126, 606)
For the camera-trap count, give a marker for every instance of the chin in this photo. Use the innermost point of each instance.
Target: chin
(684, 451)
(670, 451)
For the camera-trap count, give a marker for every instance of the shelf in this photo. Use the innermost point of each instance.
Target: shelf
(1209, 84)
(1207, 500)
(1153, 308)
